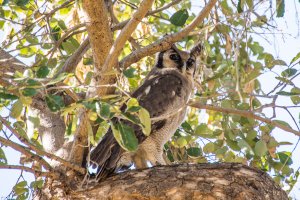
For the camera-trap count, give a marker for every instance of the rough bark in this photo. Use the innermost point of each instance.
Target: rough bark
(201, 181)
(101, 40)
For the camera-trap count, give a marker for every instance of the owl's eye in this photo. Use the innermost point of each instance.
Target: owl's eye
(175, 57)
(190, 62)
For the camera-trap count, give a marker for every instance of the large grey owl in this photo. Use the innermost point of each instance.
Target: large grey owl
(164, 93)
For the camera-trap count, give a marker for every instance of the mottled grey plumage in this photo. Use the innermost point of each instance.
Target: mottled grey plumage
(164, 94)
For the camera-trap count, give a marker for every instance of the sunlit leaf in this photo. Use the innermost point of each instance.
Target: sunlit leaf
(260, 148)
(145, 121)
(105, 110)
(285, 158)
(3, 159)
(280, 8)
(125, 136)
(16, 109)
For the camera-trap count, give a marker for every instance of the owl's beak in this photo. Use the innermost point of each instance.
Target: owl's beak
(184, 68)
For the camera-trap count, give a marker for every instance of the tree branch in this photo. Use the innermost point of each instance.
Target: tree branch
(41, 152)
(31, 170)
(167, 41)
(25, 151)
(9, 65)
(126, 32)
(187, 181)
(244, 114)
(72, 62)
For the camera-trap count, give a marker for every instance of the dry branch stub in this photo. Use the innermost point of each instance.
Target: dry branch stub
(218, 181)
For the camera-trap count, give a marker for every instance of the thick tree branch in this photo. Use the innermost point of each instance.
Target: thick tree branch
(98, 28)
(126, 32)
(243, 113)
(168, 40)
(207, 181)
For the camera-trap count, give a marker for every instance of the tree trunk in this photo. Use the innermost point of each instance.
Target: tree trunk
(201, 181)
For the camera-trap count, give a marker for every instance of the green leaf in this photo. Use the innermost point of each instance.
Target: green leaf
(129, 73)
(21, 2)
(37, 184)
(289, 72)
(54, 102)
(19, 188)
(269, 61)
(28, 92)
(285, 157)
(59, 78)
(239, 6)
(181, 142)
(295, 58)
(132, 102)
(16, 109)
(282, 123)
(125, 136)
(233, 145)
(105, 110)
(203, 131)
(32, 39)
(145, 120)
(209, 148)
(295, 99)
(69, 47)
(102, 129)
(8, 96)
(42, 72)
(194, 152)
(284, 93)
(280, 8)
(260, 148)
(3, 160)
(179, 18)
(90, 133)
(5, 2)
(88, 78)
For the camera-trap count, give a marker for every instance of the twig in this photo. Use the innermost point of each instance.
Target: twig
(123, 23)
(167, 41)
(244, 114)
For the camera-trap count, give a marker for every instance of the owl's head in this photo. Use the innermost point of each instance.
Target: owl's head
(177, 59)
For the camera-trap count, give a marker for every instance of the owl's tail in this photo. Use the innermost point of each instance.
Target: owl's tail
(105, 156)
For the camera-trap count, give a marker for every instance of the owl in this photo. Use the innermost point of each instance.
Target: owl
(164, 93)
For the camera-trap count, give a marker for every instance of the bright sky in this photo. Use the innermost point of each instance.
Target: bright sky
(284, 47)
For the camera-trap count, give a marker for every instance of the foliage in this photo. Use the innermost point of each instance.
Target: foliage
(45, 34)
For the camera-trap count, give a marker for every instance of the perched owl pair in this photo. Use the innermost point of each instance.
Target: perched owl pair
(164, 93)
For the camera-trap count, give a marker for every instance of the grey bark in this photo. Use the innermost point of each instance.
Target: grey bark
(179, 182)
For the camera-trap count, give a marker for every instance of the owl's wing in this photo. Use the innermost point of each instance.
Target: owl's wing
(158, 95)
